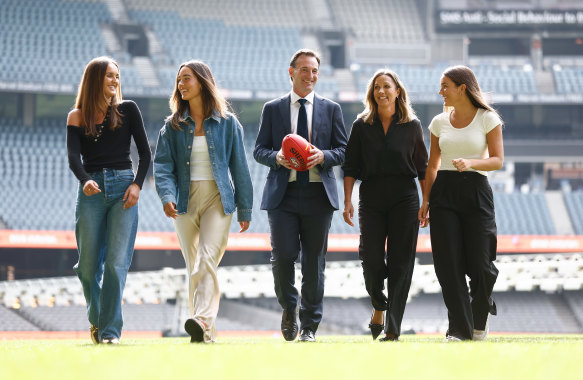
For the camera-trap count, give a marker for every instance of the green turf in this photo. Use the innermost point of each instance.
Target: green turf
(514, 357)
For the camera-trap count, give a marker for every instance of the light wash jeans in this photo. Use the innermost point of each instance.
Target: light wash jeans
(105, 233)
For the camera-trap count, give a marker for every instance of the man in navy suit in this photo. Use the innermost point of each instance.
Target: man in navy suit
(300, 204)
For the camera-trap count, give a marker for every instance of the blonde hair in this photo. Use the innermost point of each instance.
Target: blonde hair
(90, 94)
(404, 110)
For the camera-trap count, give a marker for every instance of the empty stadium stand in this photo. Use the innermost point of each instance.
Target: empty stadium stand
(53, 35)
(568, 80)
(379, 20)
(11, 321)
(424, 79)
(525, 214)
(154, 301)
(574, 202)
(35, 158)
(233, 12)
(246, 44)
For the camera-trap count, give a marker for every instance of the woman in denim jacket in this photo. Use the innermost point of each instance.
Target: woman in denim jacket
(201, 175)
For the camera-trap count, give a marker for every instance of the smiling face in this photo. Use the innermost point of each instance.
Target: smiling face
(304, 75)
(450, 92)
(385, 91)
(111, 81)
(188, 84)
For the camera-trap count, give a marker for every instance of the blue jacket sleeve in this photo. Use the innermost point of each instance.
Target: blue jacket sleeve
(264, 152)
(240, 174)
(164, 168)
(335, 155)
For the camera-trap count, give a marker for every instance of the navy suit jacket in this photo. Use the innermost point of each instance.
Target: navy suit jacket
(328, 135)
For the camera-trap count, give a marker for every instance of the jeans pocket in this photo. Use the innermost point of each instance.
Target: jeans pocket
(119, 184)
(125, 175)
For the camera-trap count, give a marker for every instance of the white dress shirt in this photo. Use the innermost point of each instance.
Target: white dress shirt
(294, 108)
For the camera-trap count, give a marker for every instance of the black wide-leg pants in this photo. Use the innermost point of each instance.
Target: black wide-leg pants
(388, 210)
(463, 241)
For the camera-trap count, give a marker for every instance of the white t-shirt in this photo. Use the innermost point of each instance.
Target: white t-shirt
(468, 142)
(200, 161)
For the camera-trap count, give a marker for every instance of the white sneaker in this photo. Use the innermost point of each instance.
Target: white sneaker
(482, 334)
(110, 341)
(451, 338)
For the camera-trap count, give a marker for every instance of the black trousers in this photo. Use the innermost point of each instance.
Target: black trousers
(463, 241)
(300, 224)
(388, 218)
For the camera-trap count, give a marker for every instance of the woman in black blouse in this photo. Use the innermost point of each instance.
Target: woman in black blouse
(386, 152)
(99, 130)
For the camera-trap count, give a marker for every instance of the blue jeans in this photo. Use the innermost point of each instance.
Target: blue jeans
(105, 233)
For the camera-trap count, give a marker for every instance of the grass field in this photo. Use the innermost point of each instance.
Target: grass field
(514, 357)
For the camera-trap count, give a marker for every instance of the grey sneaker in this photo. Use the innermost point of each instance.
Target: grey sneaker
(94, 331)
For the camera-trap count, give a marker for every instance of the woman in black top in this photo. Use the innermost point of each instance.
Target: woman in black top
(386, 152)
(100, 129)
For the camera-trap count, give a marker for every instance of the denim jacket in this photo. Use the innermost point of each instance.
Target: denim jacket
(224, 138)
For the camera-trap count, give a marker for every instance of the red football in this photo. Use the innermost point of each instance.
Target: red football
(296, 150)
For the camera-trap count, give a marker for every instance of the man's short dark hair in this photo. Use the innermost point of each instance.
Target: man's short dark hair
(308, 52)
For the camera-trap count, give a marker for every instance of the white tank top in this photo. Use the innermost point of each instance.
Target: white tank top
(200, 161)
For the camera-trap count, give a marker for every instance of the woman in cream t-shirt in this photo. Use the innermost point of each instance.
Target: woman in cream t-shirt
(466, 142)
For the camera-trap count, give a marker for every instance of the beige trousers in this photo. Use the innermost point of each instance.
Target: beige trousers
(203, 232)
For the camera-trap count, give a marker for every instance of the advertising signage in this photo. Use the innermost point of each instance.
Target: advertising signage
(471, 20)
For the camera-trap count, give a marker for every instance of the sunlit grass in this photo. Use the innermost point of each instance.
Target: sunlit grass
(331, 357)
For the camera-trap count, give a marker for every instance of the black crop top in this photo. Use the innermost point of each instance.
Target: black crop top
(111, 149)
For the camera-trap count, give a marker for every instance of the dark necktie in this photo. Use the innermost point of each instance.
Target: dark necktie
(303, 177)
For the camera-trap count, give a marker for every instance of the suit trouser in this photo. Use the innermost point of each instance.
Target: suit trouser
(387, 211)
(463, 241)
(301, 224)
(203, 232)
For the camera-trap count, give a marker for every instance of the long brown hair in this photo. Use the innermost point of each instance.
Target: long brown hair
(90, 95)
(212, 99)
(464, 75)
(403, 107)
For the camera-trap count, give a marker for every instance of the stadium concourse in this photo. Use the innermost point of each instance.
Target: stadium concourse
(527, 54)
